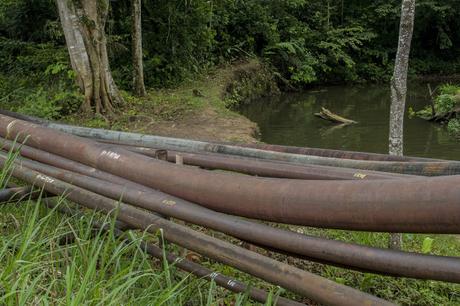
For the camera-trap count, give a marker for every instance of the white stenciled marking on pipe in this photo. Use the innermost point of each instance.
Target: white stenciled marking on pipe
(111, 154)
(213, 275)
(45, 178)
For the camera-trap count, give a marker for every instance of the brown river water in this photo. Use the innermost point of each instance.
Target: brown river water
(289, 120)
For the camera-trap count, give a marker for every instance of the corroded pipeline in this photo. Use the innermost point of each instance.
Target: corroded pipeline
(307, 284)
(418, 168)
(374, 205)
(64, 163)
(422, 168)
(347, 255)
(267, 168)
(18, 194)
(336, 153)
(267, 147)
(184, 264)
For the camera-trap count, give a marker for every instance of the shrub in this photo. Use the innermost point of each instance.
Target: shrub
(50, 106)
(454, 127)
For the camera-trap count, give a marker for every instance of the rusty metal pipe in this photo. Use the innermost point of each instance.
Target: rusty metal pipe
(267, 168)
(184, 264)
(422, 168)
(418, 168)
(374, 205)
(64, 163)
(16, 194)
(299, 281)
(336, 153)
(267, 147)
(333, 252)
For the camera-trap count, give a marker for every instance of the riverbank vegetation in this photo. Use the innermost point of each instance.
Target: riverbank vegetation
(445, 108)
(302, 43)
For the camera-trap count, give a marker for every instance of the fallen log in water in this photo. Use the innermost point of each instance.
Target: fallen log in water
(330, 116)
(347, 255)
(307, 284)
(355, 205)
(184, 264)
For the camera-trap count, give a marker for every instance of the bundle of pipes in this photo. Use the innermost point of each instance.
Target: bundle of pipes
(322, 250)
(343, 204)
(214, 161)
(303, 156)
(184, 264)
(296, 280)
(366, 200)
(266, 168)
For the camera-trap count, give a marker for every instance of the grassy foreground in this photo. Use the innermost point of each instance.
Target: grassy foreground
(51, 258)
(40, 265)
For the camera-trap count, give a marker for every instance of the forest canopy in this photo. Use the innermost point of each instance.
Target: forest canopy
(304, 41)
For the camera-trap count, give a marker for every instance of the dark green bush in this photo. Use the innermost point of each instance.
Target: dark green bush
(305, 41)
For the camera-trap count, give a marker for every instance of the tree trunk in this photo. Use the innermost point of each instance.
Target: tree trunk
(399, 90)
(83, 22)
(138, 69)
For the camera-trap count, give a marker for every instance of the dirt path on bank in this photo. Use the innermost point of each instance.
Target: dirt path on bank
(208, 124)
(199, 109)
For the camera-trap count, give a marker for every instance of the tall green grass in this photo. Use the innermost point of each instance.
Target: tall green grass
(40, 265)
(48, 258)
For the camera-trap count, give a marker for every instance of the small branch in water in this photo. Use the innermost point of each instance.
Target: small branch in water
(330, 116)
(432, 92)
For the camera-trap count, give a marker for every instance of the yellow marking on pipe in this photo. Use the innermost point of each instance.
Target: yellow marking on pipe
(360, 175)
(169, 202)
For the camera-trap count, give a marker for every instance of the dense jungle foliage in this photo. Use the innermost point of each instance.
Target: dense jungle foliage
(305, 41)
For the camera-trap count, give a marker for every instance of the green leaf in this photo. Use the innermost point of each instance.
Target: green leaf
(427, 245)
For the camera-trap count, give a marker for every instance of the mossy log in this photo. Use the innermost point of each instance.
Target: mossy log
(446, 116)
(330, 116)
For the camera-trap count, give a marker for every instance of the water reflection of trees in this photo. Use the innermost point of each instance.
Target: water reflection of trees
(289, 120)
